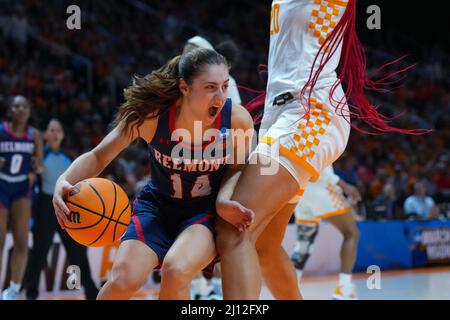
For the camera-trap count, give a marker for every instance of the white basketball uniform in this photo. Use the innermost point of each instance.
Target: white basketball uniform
(298, 27)
(322, 199)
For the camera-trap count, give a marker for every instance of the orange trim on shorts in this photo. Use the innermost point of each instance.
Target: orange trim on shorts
(334, 213)
(298, 220)
(303, 163)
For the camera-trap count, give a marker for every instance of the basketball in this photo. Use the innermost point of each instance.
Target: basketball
(99, 212)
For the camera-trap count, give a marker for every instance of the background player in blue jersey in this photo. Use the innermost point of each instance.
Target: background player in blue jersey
(20, 155)
(173, 217)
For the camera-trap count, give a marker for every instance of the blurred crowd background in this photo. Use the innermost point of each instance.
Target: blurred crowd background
(78, 76)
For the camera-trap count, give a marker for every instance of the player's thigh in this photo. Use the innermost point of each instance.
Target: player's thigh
(264, 194)
(192, 251)
(134, 260)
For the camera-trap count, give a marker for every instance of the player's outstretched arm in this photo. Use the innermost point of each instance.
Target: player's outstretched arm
(242, 134)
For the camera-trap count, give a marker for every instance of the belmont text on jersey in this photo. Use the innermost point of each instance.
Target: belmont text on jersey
(16, 146)
(190, 165)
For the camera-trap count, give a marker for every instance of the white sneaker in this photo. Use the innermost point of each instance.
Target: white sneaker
(345, 293)
(10, 294)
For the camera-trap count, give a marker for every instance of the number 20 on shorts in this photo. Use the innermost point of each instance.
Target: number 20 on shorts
(275, 19)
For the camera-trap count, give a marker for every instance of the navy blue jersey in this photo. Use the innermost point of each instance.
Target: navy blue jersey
(15, 153)
(186, 172)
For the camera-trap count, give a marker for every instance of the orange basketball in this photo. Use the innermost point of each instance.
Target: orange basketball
(99, 212)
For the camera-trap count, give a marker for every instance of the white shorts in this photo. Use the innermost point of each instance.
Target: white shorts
(321, 202)
(298, 144)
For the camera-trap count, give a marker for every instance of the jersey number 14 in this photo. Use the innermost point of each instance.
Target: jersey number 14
(201, 187)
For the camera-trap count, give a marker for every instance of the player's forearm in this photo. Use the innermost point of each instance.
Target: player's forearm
(229, 182)
(85, 166)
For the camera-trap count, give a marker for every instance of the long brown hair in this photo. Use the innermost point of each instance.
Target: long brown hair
(152, 95)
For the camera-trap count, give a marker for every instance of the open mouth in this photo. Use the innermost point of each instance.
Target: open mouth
(213, 111)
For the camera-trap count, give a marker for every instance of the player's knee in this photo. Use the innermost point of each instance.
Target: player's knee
(351, 233)
(122, 279)
(21, 246)
(177, 269)
(307, 232)
(299, 259)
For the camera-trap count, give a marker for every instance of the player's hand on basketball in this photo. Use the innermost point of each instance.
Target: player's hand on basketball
(62, 189)
(236, 214)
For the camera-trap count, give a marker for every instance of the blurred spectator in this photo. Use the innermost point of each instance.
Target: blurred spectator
(386, 206)
(442, 177)
(419, 204)
(399, 181)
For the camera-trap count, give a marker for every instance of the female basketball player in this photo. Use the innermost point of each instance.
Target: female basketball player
(201, 289)
(325, 199)
(305, 128)
(20, 154)
(173, 217)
